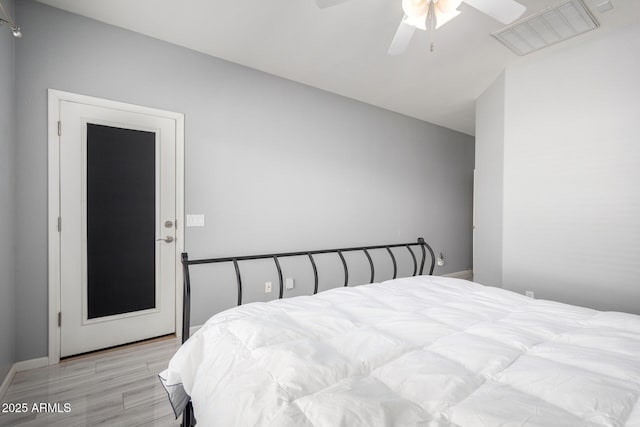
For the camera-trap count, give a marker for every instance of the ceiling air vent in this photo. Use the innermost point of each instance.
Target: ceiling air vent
(564, 21)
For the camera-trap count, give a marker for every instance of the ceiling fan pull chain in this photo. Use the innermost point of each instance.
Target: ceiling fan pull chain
(432, 22)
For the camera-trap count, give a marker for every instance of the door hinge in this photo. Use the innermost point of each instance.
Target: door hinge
(59, 128)
(59, 224)
(59, 319)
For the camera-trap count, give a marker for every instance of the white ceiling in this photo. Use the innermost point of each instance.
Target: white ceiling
(343, 49)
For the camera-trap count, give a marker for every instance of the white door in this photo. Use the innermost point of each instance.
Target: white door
(118, 227)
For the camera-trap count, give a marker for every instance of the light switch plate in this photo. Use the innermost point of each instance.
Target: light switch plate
(195, 220)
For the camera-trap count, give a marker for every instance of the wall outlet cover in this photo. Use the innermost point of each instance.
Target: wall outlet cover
(289, 283)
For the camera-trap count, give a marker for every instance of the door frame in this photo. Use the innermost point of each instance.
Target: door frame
(53, 182)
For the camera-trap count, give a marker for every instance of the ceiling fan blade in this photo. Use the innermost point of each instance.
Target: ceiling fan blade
(402, 38)
(328, 3)
(505, 11)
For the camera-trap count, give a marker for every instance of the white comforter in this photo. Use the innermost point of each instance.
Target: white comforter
(422, 351)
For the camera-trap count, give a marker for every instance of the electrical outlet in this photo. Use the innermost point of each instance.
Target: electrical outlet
(267, 287)
(529, 294)
(289, 283)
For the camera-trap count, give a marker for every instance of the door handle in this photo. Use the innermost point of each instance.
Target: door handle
(167, 239)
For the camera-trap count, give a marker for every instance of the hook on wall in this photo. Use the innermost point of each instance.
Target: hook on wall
(6, 18)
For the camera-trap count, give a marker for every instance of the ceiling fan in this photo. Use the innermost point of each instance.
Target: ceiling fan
(432, 14)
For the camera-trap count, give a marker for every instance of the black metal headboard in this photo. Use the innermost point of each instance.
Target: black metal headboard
(186, 262)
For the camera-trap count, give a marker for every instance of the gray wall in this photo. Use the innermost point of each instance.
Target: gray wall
(572, 172)
(7, 204)
(487, 232)
(274, 165)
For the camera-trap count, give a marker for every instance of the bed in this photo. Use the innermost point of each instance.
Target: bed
(416, 351)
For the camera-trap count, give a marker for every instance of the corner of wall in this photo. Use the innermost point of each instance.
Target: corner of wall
(488, 188)
(7, 194)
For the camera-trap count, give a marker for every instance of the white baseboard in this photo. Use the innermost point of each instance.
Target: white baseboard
(464, 274)
(27, 365)
(7, 380)
(24, 365)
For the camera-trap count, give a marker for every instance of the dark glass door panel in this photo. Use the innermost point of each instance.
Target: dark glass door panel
(121, 212)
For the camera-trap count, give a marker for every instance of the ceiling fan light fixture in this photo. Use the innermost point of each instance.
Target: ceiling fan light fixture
(415, 9)
(420, 22)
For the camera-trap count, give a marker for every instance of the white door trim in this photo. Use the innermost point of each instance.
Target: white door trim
(55, 98)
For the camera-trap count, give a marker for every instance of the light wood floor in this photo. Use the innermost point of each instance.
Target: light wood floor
(113, 388)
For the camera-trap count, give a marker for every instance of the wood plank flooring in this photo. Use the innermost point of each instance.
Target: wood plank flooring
(117, 387)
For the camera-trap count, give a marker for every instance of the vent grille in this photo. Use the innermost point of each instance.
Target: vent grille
(550, 26)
